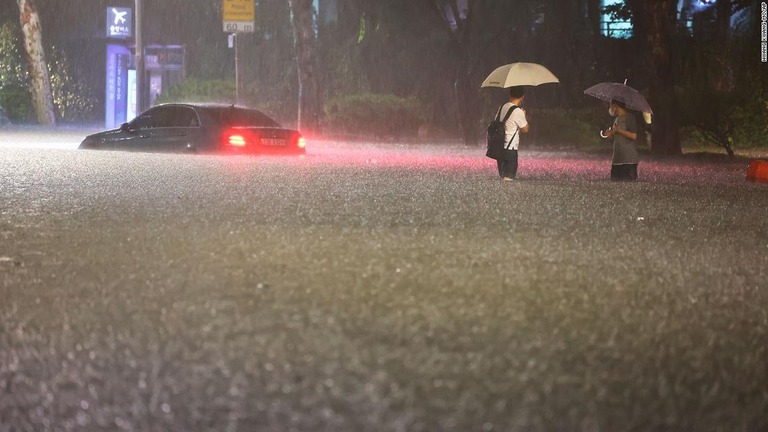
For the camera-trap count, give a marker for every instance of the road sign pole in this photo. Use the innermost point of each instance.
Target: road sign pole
(238, 17)
(237, 71)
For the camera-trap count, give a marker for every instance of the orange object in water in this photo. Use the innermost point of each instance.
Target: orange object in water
(758, 171)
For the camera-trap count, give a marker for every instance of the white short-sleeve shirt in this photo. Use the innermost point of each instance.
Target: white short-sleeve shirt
(514, 123)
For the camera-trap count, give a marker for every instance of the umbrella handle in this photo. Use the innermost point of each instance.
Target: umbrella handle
(603, 132)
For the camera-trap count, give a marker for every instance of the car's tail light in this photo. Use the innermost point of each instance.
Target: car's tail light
(301, 142)
(236, 140)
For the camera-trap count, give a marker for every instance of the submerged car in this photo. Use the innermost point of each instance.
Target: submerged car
(203, 128)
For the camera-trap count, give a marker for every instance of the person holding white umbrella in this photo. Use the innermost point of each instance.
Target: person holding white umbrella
(514, 76)
(515, 125)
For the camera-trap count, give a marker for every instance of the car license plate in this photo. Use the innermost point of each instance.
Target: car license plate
(273, 141)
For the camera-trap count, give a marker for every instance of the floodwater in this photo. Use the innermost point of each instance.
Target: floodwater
(378, 287)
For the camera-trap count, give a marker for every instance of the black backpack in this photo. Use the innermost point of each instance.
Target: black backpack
(495, 137)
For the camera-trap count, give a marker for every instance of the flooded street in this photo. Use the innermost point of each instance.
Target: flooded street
(379, 287)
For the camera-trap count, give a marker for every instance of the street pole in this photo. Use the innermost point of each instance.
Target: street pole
(237, 72)
(139, 61)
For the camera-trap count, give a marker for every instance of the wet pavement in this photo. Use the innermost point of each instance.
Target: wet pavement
(379, 287)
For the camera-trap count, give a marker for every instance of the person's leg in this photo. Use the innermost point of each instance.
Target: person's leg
(512, 164)
(507, 167)
(500, 165)
(615, 172)
(624, 172)
(632, 174)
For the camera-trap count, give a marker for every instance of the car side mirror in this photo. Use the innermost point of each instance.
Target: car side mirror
(125, 127)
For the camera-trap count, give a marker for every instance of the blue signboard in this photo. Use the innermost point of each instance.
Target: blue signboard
(119, 23)
(116, 106)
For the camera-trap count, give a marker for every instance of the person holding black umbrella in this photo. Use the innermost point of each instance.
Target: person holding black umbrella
(624, 134)
(624, 101)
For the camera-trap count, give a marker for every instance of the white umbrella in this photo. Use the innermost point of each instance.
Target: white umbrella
(518, 74)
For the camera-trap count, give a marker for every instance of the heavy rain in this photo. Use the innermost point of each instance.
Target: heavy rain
(385, 277)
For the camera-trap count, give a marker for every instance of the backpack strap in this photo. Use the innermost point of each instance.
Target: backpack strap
(509, 113)
(506, 117)
(498, 114)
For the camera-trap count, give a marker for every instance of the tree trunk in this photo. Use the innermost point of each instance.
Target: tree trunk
(457, 18)
(306, 55)
(724, 82)
(595, 17)
(38, 66)
(466, 96)
(654, 27)
(564, 27)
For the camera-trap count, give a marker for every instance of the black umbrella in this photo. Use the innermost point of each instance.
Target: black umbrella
(609, 91)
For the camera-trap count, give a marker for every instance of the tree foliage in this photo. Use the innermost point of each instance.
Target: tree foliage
(373, 116)
(73, 99)
(15, 97)
(438, 51)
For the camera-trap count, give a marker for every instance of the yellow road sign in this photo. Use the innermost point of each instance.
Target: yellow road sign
(239, 10)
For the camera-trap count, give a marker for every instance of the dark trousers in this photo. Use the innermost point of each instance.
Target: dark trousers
(626, 172)
(508, 165)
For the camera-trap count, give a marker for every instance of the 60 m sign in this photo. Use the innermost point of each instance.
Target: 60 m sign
(239, 15)
(238, 26)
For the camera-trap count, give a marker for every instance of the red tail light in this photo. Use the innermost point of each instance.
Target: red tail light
(301, 142)
(236, 140)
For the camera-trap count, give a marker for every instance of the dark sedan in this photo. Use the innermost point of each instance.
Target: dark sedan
(204, 128)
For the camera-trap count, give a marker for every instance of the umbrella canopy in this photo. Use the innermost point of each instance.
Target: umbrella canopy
(609, 91)
(518, 74)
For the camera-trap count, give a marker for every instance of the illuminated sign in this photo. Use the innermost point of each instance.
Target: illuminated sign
(164, 57)
(119, 23)
(239, 15)
(116, 100)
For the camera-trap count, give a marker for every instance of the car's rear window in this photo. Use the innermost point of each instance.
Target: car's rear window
(239, 117)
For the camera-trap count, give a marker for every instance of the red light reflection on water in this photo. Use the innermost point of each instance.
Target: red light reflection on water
(533, 165)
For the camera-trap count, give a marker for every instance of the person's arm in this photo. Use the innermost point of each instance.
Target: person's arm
(625, 133)
(522, 121)
(630, 131)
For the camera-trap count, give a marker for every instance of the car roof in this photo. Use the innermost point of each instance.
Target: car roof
(223, 113)
(206, 105)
